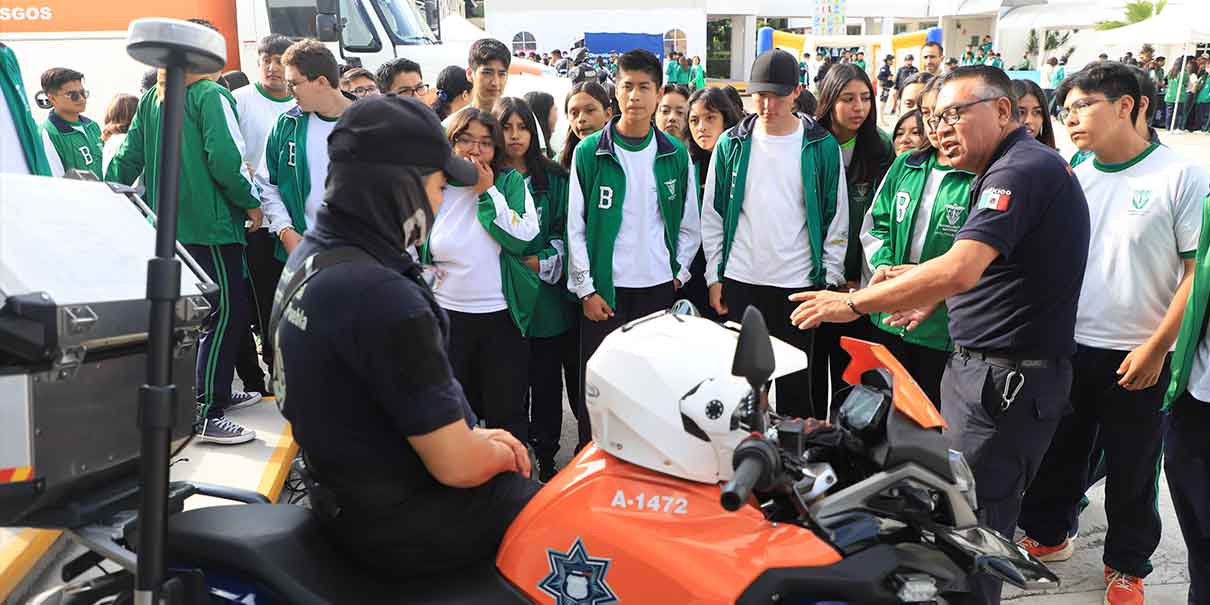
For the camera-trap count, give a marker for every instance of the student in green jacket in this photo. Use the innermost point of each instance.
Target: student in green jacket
(846, 109)
(554, 345)
(697, 74)
(486, 274)
(1187, 451)
(632, 214)
(920, 206)
(774, 216)
(1201, 104)
(295, 161)
(26, 153)
(216, 197)
(1178, 83)
(76, 138)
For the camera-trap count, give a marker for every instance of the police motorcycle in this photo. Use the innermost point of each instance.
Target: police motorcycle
(694, 490)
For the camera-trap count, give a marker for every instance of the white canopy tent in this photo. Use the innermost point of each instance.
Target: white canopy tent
(1175, 31)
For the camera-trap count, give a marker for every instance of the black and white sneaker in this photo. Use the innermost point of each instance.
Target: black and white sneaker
(223, 431)
(241, 400)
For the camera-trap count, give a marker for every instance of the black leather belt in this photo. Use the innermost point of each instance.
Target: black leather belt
(1001, 359)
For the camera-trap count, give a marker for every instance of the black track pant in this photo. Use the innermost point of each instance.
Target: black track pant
(1187, 465)
(490, 358)
(793, 391)
(219, 343)
(553, 359)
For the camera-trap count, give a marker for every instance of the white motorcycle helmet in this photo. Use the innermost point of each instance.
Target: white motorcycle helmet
(660, 394)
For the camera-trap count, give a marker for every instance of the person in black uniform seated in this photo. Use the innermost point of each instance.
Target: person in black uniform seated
(408, 485)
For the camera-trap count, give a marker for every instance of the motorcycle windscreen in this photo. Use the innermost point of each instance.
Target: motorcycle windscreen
(991, 553)
(909, 397)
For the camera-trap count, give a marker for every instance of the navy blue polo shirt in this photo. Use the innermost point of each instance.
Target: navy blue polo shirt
(365, 367)
(1029, 206)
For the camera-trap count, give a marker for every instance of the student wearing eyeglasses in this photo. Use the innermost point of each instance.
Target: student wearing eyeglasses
(1010, 281)
(76, 138)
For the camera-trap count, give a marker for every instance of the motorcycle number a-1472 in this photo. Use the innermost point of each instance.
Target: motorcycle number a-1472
(653, 503)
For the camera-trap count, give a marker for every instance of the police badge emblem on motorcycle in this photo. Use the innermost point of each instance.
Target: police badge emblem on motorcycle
(576, 578)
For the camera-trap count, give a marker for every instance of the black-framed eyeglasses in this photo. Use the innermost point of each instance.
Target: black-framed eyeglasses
(291, 85)
(1081, 106)
(468, 140)
(76, 95)
(413, 91)
(362, 91)
(953, 114)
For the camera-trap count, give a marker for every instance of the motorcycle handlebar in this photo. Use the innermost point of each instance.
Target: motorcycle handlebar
(737, 491)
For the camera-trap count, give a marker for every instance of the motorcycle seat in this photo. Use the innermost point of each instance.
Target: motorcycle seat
(281, 548)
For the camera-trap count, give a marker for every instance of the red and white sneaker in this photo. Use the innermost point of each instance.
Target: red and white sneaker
(1048, 554)
(1122, 589)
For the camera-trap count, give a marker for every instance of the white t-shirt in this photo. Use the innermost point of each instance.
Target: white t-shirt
(465, 254)
(318, 129)
(640, 254)
(771, 246)
(924, 211)
(112, 145)
(1199, 374)
(257, 114)
(1145, 215)
(1047, 75)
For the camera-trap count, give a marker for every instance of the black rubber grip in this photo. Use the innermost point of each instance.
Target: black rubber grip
(737, 491)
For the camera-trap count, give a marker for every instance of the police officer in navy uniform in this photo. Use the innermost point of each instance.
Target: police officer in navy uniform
(1011, 282)
(408, 485)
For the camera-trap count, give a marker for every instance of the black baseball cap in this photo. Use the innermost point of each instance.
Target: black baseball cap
(390, 129)
(774, 71)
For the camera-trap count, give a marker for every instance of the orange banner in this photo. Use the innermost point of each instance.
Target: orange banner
(56, 16)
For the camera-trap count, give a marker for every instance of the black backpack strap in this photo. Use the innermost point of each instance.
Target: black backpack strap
(292, 282)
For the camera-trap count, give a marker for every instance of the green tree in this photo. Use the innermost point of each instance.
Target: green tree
(1136, 11)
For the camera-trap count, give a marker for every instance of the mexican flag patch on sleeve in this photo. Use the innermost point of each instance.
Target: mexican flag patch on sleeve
(995, 199)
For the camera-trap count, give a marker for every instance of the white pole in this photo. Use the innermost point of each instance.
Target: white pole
(1180, 80)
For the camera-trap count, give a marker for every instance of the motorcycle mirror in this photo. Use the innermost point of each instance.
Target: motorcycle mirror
(754, 359)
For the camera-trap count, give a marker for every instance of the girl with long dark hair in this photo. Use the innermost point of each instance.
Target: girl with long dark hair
(546, 116)
(588, 109)
(554, 345)
(920, 206)
(1031, 108)
(711, 113)
(846, 109)
(478, 248)
(453, 91)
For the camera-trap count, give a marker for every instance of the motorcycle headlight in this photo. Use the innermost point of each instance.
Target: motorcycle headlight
(963, 477)
(915, 588)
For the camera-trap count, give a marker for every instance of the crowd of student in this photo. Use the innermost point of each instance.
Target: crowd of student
(1028, 296)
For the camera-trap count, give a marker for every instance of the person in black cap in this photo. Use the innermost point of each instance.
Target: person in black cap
(406, 484)
(908, 70)
(771, 227)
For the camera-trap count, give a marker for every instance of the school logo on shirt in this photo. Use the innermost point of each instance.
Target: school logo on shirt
(671, 186)
(290, 153)
(605, 198)
(902, 200)
(1139, 201)
(995, 199)
(86, 154)
(951, 219)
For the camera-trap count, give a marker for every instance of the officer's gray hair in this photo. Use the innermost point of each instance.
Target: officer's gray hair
(993, 82)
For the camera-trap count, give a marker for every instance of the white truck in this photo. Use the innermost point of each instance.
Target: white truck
(90, 36)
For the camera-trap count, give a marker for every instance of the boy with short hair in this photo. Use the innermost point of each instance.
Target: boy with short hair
(1145, 202)
(771, 223)
(259, 105)
(487, 70)
(633, 224)
(76, 139)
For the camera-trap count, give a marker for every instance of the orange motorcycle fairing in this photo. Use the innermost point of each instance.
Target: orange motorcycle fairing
(605, 531)
(909, 398)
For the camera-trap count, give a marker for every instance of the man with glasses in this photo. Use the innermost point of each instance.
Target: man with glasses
(1145, 203)
(404, 78)
(359, 82)
(75, 138)
(291, 176)
(488, 63)
(1011, 282)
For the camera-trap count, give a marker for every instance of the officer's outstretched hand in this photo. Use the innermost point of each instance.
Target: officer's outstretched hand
(910, 319)
(821, 306)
